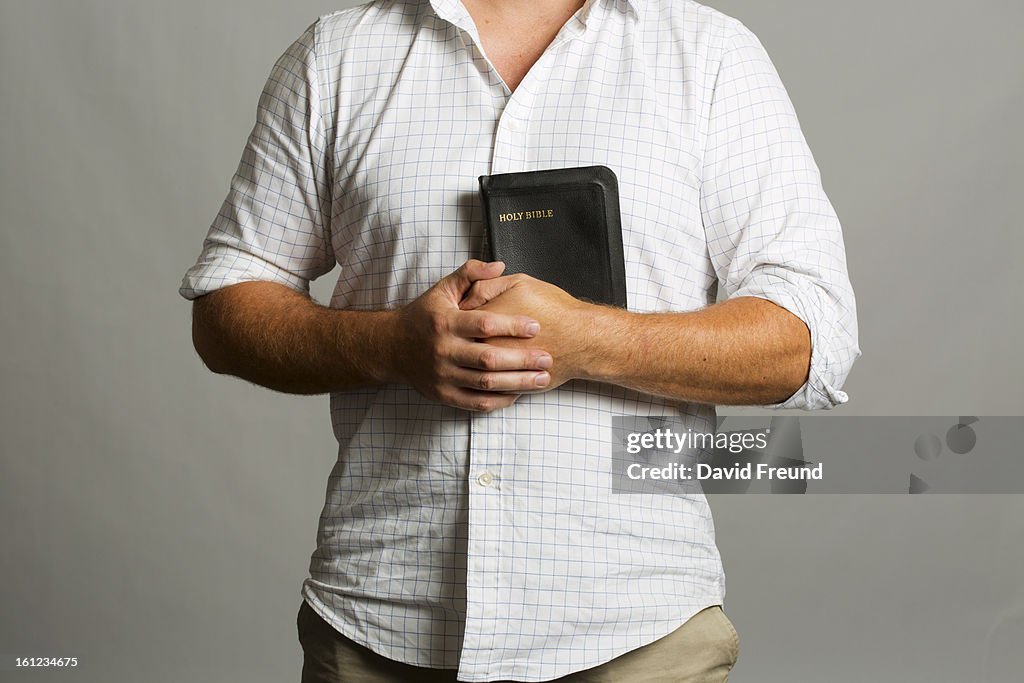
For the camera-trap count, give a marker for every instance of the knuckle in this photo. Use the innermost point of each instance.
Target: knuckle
(489, 360)
(487, 381)
(438, 322)
(438, 365)
(487, 326)
(441, 371)
(484, 405)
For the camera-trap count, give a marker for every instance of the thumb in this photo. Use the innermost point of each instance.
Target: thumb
(482, 292)
(456, 284)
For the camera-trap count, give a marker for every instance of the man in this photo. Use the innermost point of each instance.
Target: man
(470, 531)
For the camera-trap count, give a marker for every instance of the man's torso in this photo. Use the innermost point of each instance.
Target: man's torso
(543, 570)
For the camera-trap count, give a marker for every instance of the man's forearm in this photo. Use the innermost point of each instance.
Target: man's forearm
(744, 351)
(278, 338)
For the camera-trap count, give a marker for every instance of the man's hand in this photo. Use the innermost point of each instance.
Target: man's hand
(447, 353)
(562, 320)
(742, 351)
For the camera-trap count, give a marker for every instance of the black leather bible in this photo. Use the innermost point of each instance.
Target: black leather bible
(561, 226)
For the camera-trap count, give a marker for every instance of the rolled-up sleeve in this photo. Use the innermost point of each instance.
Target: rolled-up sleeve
(274, 223)
(771, 231)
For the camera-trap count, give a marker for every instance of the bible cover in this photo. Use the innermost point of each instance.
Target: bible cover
(560, 225)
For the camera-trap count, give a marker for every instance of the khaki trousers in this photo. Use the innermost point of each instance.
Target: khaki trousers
(703, 650)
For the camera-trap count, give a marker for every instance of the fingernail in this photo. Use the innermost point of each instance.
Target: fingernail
(544, 362)
(533, 328)
(542, 379)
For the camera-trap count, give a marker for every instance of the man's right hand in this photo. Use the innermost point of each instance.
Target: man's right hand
(441, 351)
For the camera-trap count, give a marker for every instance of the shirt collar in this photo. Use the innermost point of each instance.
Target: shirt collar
(637, 6)
(453, 11)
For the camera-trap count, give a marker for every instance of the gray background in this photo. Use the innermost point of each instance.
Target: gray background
(158, 519)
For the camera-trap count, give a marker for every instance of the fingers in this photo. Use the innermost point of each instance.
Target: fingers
(483, 291)
(483, 324)
(483, 377)
(457, 283)
(509, 381)
(477, 401)
(499, 358)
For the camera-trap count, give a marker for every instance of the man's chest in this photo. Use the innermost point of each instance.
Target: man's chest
(406, 209)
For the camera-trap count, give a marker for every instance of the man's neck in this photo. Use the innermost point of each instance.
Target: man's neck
(515, 33)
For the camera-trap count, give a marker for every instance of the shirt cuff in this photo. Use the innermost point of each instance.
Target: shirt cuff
(221, 265)
(829, 363)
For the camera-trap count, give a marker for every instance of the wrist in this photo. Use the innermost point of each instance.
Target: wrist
(387, 347)
(602, 341)
(369, 342)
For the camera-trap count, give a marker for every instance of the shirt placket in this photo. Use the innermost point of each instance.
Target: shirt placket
(491, 444)
(512, 144)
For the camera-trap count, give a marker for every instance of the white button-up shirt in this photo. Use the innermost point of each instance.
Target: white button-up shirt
(493, 543)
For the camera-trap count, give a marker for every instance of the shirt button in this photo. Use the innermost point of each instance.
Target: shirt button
(485, 479)
(513, 125)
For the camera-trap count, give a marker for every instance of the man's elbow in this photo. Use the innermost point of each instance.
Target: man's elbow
(824, 372)
(206, 338)
(799, 365)
(793, 367)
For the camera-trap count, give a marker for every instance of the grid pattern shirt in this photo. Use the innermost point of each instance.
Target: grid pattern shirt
(492, 543)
